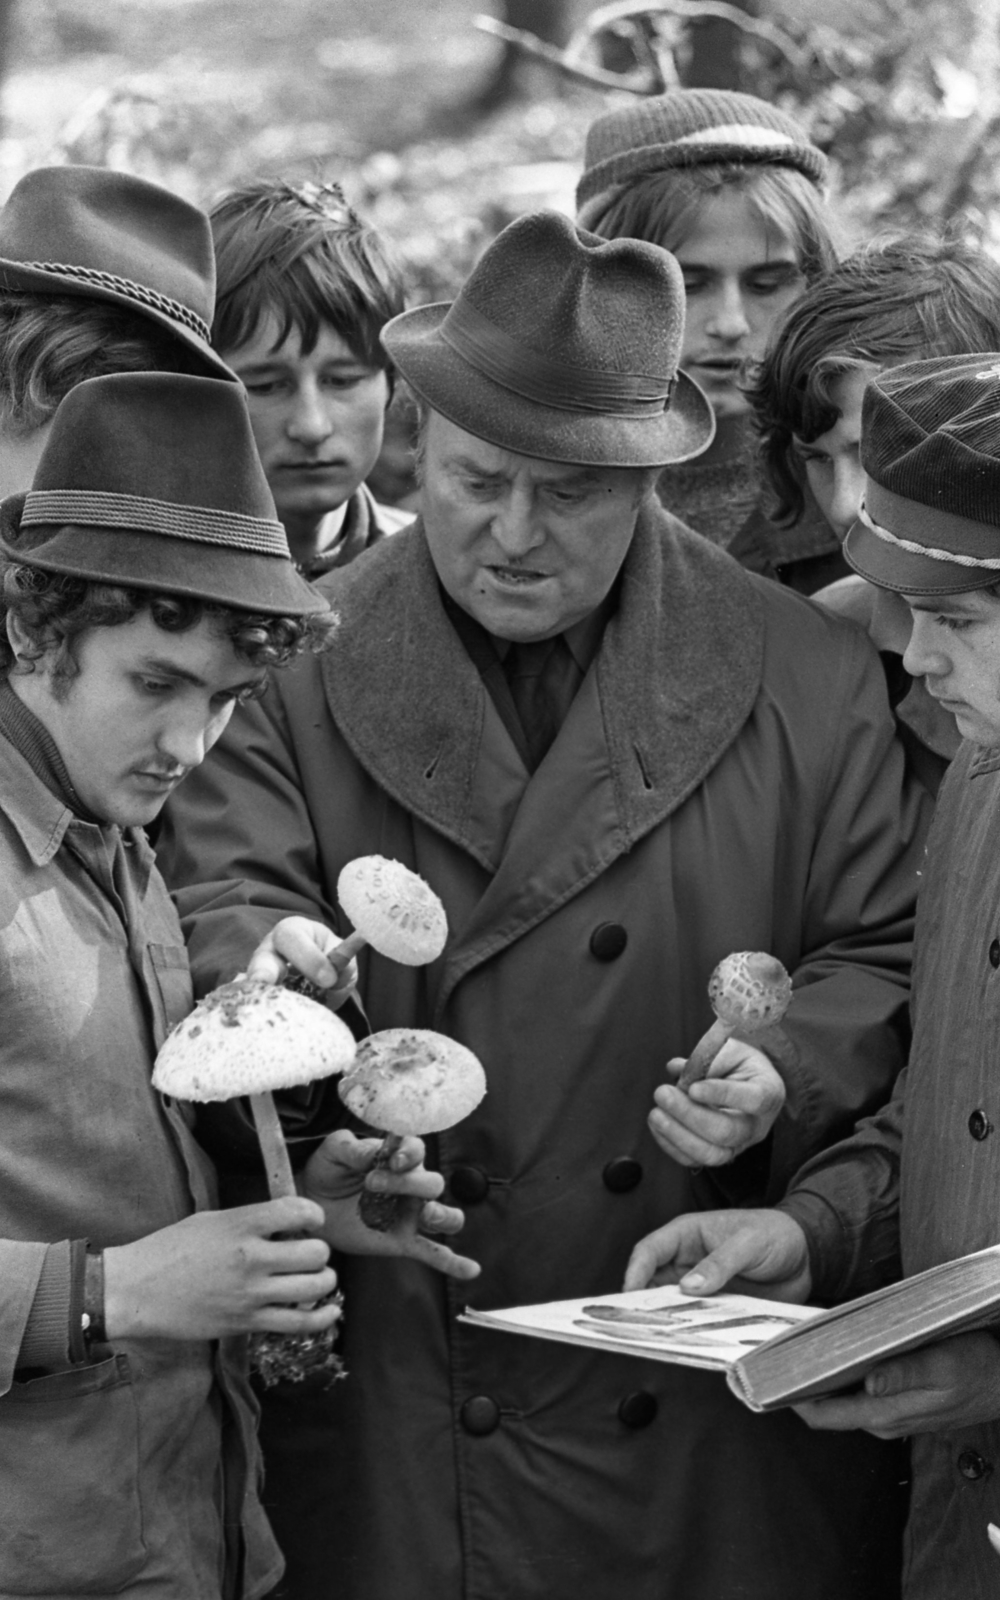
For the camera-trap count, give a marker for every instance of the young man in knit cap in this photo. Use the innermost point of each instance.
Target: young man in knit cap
(616, 756)
(147, 591)
(99, 272)
(305, 287)
(735, 189)
(919, 1183)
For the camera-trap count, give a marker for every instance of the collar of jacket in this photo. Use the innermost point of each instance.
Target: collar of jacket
(678, 671)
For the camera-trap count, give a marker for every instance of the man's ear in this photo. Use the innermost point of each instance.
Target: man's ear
(24, 644)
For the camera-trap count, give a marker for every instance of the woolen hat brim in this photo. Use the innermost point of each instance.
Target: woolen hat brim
(164, 565)
(905, 572)
(21, 279)
(480, 406)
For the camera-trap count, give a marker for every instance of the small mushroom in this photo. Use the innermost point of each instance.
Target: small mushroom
(248, 1038)
(403, 1081)
(749, 990)
(393, 910)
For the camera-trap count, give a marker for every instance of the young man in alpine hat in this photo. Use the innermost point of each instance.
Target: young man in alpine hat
(616, 756)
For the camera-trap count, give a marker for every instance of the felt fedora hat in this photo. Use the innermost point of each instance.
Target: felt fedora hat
(109, 236)
(564, 347)
(152, 480)
(930, 446)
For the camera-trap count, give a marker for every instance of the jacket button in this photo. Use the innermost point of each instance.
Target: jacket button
(995, 953)
(480, 1415)
(608, 940)
(622, 1174)
(469, 1185)
(980, 1125)
(638, 1410)
(972, 1465)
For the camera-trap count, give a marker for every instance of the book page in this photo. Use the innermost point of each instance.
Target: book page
(656, 1324)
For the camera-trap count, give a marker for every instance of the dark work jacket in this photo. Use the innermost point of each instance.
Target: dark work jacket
(726, 778)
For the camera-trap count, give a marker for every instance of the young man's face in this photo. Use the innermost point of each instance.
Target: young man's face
(144, 708)
(740, 276)
(317, 419)
(955, 648)
(527, 547)
(832, 461)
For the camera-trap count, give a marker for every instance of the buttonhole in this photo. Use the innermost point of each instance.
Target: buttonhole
(432, 769)
(647, 781)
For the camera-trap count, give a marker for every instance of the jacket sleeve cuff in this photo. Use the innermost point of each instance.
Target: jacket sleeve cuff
(46, 1339)
(829, 1251)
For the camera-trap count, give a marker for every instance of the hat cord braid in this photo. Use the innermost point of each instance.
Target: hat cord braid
(987, 563)
(132, 291)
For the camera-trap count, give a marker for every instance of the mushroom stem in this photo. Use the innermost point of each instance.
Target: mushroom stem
(280, 1179)
(379, 1211)
(705, 1052)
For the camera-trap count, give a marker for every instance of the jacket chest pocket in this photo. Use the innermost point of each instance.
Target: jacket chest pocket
(69, 1483)
(172, 991)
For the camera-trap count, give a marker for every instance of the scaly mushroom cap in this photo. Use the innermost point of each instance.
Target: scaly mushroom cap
(249, 1036)
(411, 1080)
(750, 989)
(398, 913)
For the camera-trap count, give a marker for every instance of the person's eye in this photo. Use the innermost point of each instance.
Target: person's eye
(481, 488)
(772, 281)
(342, 380)
(154, 686)
(266, 386)
(248, 693)
(812, 458)
(566, 499)
(694, 282)
(954, 624)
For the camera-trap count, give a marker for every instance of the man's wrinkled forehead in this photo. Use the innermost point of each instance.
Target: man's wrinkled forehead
(451, 449)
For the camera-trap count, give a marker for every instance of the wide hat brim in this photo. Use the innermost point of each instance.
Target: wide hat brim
(905, 572)
(489, 410)
(20, 278)
(161, 564)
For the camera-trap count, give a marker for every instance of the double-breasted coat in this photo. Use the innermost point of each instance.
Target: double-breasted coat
(726, 779)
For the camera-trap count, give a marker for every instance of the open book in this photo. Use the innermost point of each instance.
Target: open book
(772, 1354)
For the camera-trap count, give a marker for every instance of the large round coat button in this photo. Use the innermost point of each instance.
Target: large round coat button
(980, 1125)
(972, 1465)
(469, 1185)
(480, 1415)
(638, 1410)
(608, 940)
(622, 1174)
(995, 953)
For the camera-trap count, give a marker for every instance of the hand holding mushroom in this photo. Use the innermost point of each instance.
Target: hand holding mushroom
(728, 1093)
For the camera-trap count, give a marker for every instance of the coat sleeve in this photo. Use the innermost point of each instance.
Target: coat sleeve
(237, 845)
(20, 1269)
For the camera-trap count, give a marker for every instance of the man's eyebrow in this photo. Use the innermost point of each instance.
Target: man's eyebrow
(942, 602)
(162, 667)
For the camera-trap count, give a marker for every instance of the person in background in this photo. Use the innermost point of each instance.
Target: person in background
(305, 287)
(919, 1183)
(734, 189)
(100, 272)
(911, 297)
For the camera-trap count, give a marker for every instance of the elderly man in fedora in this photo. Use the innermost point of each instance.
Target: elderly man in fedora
(616, 756)
(148, 589)
(100, 272)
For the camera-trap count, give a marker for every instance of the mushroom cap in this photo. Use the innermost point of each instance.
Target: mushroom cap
(396, 911)
(412, 1080)
(248, 1036)
(750, 989)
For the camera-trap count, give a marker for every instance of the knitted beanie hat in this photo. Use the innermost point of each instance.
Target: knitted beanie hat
(688, 128)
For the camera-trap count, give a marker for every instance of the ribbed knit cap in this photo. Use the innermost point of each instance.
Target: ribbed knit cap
(688, 128)
(930, 447)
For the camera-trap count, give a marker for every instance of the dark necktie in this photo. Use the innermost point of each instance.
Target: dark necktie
(531, 671)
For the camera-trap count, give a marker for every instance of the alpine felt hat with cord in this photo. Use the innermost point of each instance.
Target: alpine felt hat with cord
(151, 480)
(563, 347)
(106, 235)
(930, 448)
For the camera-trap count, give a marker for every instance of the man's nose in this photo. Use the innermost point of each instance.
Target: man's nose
(728, 319)
(848, 492)
(517, 524)
(923, 656)
(184, 742)
(309, 422)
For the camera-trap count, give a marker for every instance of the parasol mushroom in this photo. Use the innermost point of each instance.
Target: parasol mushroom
(408, 1081)
(393, 910)
(249, 1038)
(749, 990)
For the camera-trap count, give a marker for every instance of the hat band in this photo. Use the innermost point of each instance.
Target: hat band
(550, 383)
(93, 508)
(911, 547)
(132, 291)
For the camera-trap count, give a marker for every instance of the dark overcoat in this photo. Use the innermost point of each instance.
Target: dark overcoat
(726, 779)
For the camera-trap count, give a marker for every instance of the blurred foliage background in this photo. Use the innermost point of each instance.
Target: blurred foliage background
(443, 135)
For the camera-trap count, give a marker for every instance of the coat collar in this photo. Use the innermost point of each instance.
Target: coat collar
(678, 672)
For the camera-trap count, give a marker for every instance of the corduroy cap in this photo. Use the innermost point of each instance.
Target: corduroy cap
(109, 236)
(152, 480)
(930, 447)
(564, 347)
(688, 128)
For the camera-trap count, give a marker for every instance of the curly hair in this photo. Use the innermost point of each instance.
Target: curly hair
(893, 301)
(302, 254)
(55, 608)
(50, 343)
